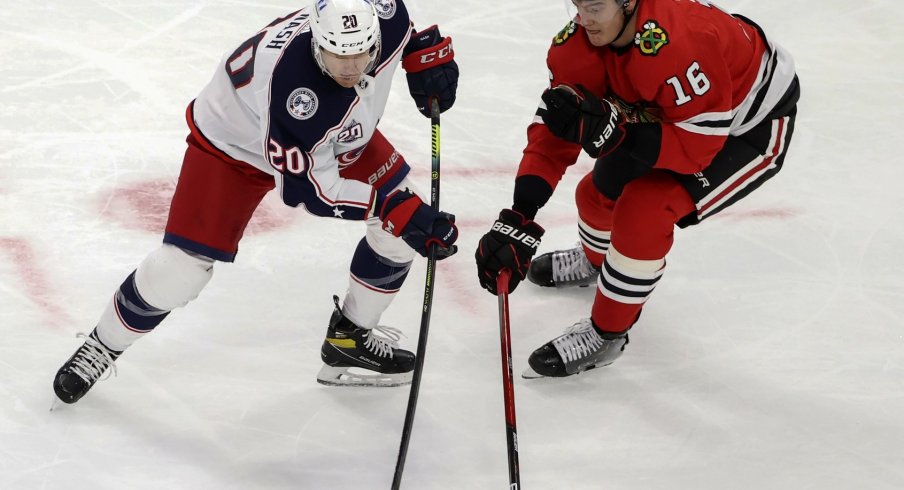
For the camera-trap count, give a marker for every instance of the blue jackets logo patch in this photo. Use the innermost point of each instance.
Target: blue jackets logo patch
(302, 104)
(385, 8)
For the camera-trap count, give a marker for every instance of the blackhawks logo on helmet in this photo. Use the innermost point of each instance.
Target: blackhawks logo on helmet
(565, 34)
(652, 39)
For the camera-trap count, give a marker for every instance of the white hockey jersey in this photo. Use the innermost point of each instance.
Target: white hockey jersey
(270, 105)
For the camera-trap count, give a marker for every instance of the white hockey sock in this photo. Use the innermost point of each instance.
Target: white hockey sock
(167, 279)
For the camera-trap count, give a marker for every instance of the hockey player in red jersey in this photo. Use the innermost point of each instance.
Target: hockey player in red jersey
(295, 107)
(686, 109)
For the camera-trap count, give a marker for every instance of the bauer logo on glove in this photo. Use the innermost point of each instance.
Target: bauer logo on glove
(583, 118)
(610, 128)
(509, 245)
(516, 234)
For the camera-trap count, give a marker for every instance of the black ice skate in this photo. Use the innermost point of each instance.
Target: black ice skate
(580, 348)
(563, 269)
(84, 368)
(355, 356)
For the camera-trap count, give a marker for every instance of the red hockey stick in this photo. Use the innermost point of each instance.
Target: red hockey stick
(508, 389)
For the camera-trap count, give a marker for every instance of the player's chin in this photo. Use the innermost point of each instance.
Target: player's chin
(347, 82)
(598, 38)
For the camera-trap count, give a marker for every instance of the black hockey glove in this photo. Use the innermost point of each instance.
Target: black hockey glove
(594, 123)
(404, 214)
(510, 244)
(432, 71)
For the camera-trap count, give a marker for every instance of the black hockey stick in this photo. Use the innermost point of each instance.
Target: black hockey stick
(428, 302)
(508, 389)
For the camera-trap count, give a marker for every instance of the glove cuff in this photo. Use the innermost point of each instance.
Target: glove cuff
(424, 59)
(422, 39)
(514, 218)
(397, 210)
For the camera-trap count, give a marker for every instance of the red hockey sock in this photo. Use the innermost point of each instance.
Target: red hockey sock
(594, 220)
(643, 225)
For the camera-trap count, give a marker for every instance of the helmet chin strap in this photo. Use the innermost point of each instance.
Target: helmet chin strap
(318, 57)
(626, 17)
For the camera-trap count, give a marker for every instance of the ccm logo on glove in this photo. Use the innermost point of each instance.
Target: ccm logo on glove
(432, 72)
(443, 52)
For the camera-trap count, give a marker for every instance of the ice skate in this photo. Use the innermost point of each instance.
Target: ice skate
(563, 269)
(83, 369)
(355, 356)
(582, 347)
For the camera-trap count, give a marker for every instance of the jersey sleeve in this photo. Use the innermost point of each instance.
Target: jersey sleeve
(546, 155)
(571, 61)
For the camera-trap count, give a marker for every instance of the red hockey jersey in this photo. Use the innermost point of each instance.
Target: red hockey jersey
(698, 71)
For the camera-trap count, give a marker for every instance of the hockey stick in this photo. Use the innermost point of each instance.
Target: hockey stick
(508, 389)
(428, 301)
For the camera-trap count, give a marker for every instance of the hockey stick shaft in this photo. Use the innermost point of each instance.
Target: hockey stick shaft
(428, 302)
(508, 388)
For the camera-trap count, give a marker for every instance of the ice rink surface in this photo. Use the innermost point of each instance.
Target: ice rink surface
(770, 357)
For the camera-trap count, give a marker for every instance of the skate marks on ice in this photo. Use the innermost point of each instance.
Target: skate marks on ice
(118, 62)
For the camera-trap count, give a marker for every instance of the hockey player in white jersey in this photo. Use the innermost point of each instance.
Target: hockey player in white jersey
(295, 107)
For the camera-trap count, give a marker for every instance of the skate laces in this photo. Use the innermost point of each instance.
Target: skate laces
(579, 341)
(382, 345)
(571, 265)
(92, 360)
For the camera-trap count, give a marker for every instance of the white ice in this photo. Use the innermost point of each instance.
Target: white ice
(770, 357)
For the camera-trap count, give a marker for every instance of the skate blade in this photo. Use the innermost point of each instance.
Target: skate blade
(56, 403)
(343, 376)
(529, 373)
(575, 285)
(554, 285)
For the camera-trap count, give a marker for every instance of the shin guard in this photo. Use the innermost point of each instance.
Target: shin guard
(373, 283)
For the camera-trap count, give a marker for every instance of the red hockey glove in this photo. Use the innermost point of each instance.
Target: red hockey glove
(404, 214)
(510, 244)
(432, 71)
(596, 124)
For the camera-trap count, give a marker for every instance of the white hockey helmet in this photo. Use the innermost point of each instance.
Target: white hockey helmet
(345, 27)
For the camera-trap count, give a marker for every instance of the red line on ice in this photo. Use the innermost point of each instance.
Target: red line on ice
(33, 280)
(464, 287)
